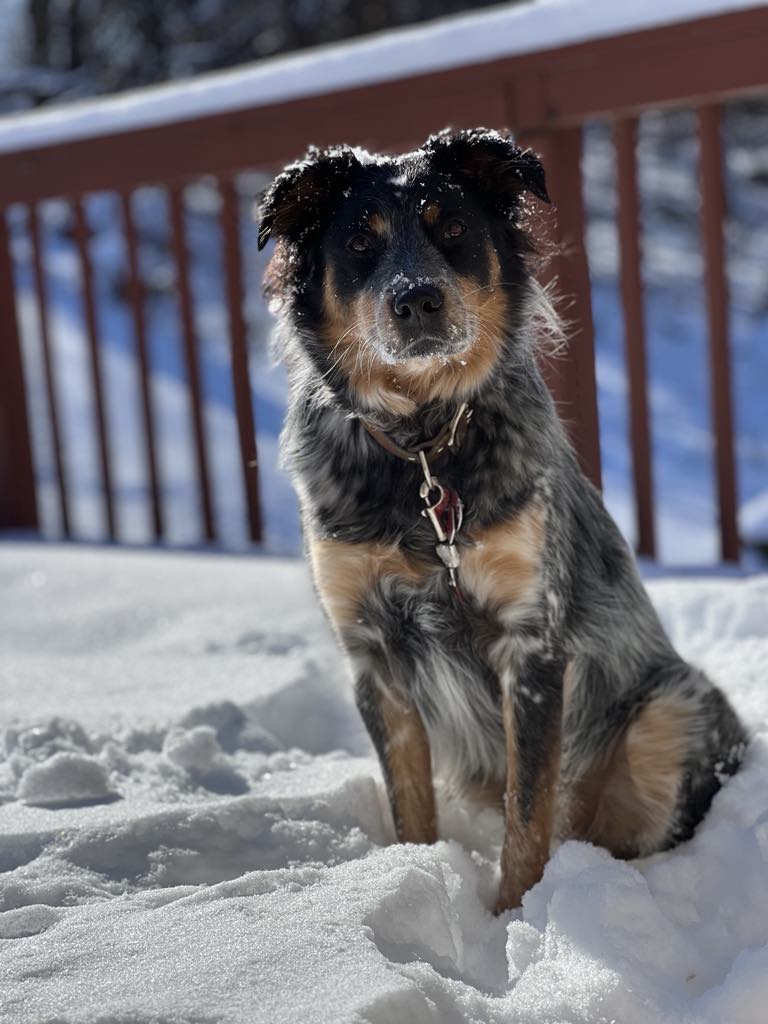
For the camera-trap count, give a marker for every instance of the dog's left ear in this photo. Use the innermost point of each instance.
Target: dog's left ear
(299, 199)
(493, 162)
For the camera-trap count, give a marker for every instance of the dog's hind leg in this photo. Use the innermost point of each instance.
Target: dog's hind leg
(398, 734)
(653, 783)
(532, 707)
(626, 799)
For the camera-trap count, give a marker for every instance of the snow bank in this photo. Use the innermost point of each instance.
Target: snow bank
(451, 42)
(246, 871)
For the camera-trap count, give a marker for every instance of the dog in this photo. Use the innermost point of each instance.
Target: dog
(497, 630)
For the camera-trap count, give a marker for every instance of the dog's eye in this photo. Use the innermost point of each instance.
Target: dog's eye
(454, 228)
(359, 244)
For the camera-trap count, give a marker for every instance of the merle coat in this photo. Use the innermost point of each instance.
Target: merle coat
(404, 288)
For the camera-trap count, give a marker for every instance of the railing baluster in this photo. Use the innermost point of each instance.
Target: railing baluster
(239, 353)
(18, 499)
(81, 235)
(712, 218)
(48, 371)
(571, 376)
(625, 134)
(181, 257)
(136, 299)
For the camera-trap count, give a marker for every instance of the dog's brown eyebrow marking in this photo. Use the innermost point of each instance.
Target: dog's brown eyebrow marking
(431, 213)
(379, 225)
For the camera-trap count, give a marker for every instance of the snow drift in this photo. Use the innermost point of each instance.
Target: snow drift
(193, 828)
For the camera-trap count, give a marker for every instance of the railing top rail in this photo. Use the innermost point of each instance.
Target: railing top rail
(691, 62)
(458, 42)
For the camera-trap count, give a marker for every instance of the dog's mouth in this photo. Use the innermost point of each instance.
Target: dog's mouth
(430, 346)
(423, 348)
(399, 343)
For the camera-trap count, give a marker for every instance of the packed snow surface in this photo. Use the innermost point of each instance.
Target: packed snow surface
(193, 827)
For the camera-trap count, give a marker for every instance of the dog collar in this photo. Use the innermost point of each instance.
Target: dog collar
(450, 437)
(443, 506)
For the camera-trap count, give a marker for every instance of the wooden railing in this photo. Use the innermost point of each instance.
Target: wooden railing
(546, 97)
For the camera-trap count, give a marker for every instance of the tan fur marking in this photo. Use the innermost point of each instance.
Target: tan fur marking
(569, 684)
(344, 573)
(485, 794)
(526, 844)
(460, 376)
(431, 213)
(346, 331)
(627, 805)
(380, 225)
(503, 566)
(410, 771)
(339, 318)
(375, 381)
(403, 387)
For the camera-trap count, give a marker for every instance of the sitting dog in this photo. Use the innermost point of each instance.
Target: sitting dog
(492, 615)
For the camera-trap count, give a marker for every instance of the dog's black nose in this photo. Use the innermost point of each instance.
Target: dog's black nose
(419, 302)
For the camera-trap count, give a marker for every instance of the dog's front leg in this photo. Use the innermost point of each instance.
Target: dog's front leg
(532, 696)
(398, 734)
(349, 577)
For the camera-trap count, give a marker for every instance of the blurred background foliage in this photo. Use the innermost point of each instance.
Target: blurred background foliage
(59, 50)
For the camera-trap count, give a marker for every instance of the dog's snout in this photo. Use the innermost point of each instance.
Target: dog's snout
(419, 303)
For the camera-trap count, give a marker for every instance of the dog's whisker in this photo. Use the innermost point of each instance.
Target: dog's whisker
(355, 326)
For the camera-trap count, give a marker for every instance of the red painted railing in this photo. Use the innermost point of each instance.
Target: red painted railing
(546, 97)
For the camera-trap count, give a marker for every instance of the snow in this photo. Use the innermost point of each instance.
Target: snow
(64, 780)
(483, 36)
(246, 870)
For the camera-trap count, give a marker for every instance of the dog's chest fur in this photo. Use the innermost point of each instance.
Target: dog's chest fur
(382, 584)
(388, 595)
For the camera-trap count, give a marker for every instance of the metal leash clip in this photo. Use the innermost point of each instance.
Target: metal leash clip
(446, 513)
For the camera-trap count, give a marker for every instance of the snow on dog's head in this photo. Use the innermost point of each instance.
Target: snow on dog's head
(402, 276)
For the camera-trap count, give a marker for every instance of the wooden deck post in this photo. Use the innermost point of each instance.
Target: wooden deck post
(18, 502)
(716, 284)
(571, 376)
(633, 313)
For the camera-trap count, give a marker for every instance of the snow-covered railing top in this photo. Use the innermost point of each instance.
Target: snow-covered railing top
(436, 46)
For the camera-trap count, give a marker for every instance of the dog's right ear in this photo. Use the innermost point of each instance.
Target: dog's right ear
(492, 161)
(299, 200)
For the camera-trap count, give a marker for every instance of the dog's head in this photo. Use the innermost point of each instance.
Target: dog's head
(401, 274)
